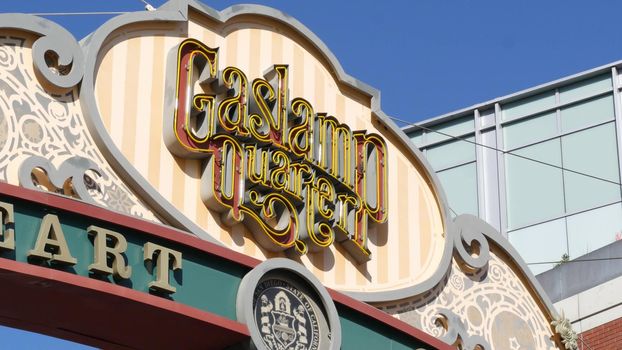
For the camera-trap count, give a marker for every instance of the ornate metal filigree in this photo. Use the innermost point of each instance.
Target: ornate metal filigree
(68, 179)
(481, 303)
(56, 54)
(470, 244)
(45, 130)
(456, 332)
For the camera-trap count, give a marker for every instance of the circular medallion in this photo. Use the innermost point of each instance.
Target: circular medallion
(32, 131)
(286, 308)
(285, 317)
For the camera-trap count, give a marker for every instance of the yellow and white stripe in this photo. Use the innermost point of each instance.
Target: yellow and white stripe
(130, 95)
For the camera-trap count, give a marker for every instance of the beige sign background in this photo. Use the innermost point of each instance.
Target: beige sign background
(130, 89)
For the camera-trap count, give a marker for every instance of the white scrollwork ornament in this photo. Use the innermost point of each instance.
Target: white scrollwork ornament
(47, 127)
(481, 303)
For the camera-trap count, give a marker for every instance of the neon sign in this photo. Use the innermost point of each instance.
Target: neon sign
(297, 179)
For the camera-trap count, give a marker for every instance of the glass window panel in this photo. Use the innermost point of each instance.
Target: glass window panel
(534, 190)
(587, 113)
(460, 185)
(585, 88)
(451, 153)
(541, 243)
(583, 192)
(456, 127)
(530, 130)
(416, 137)
(592, 151)
(529, 105)
(593, 229)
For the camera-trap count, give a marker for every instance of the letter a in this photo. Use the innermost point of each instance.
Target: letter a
(51, 244)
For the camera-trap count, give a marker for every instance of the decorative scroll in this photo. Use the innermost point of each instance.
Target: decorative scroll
(482, 303)
(456, 331)
(56, 55)
(40, 130)
(470, 244)
(70, 177)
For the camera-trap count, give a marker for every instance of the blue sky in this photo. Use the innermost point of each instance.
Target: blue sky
(21, 340)
(428, 57)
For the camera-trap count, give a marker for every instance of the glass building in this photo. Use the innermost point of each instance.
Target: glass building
(541, 165)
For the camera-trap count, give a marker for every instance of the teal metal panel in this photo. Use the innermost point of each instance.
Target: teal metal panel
(205, 281)
(362, 332)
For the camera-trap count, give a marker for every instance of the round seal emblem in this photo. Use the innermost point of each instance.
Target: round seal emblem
(285, 317)
(286, 308)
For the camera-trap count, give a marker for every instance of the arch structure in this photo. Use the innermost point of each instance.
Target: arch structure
(215, 179)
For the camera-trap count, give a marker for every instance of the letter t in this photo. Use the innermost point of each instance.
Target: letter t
(167, 259)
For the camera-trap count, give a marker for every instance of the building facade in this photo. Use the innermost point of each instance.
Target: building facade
(543, 167)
